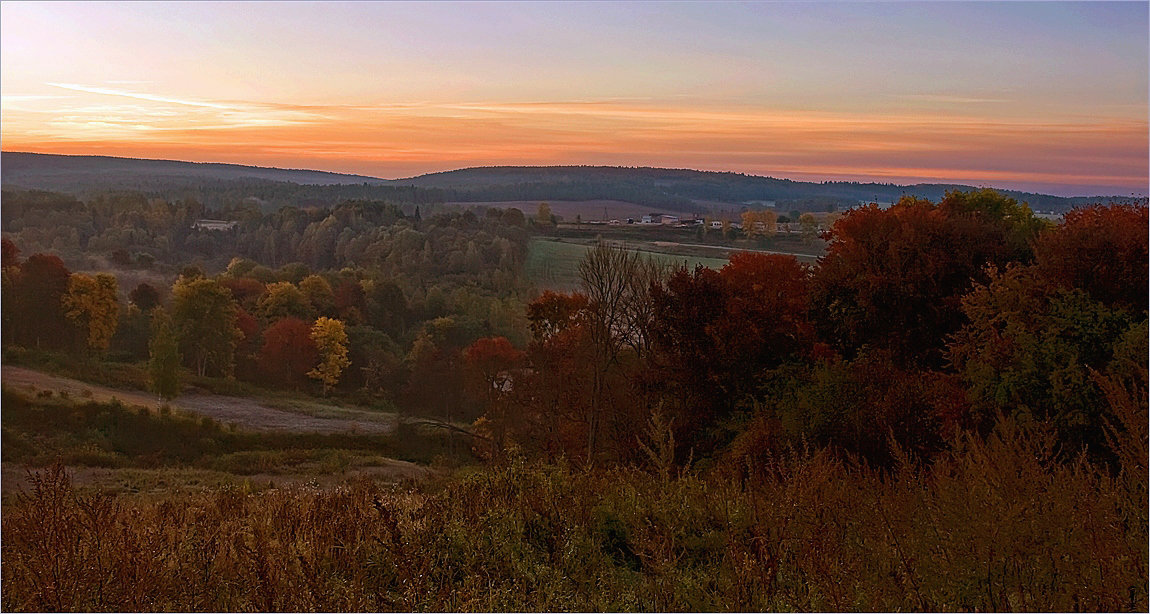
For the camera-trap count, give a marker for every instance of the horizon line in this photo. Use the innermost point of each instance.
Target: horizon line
(538, 166)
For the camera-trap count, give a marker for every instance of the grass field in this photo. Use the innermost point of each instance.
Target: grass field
(132, 448)
(554, 265)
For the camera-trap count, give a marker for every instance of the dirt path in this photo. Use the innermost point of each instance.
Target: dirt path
(245, 413)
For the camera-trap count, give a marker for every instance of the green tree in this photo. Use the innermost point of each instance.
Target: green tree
(204, 315)
(164, 356)
(1030, 349)
(92, 304)
(330, 339)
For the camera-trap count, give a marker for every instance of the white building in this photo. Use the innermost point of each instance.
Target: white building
(214, 225)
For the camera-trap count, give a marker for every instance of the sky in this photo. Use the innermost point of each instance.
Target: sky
(1040, 96)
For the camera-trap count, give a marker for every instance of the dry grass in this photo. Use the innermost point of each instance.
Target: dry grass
(1000, 524)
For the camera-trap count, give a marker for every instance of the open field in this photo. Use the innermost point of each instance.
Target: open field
(568, 209)
(245, 413)
(554, 264)
(121, 442)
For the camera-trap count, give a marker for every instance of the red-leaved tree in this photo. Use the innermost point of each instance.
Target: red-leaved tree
(1101, 249)
(288, 352)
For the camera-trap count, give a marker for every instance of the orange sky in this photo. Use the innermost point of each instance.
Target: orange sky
(398, 90)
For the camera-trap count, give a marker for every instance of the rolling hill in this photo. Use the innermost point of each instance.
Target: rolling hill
(52, 171)
(679, 190)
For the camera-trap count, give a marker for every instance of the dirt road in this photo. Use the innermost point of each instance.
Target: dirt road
(245, 413)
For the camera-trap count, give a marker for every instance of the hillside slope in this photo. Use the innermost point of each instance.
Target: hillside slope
(60, 172)
(679, 190)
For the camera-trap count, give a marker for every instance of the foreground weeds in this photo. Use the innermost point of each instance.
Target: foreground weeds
(999, 524)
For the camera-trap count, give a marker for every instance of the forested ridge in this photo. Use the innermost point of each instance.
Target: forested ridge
(682, 190)
(946, 411)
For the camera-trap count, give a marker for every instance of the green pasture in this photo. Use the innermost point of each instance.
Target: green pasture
(555, 265)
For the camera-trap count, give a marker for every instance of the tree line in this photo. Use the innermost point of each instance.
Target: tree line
(409, 290)
(922, 321)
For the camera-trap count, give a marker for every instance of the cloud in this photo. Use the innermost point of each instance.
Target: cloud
(136, 95)
(952, 99)
(88, 115)
(927, 144)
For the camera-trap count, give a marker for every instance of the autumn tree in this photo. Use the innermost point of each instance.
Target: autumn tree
(37, 293)
(684, 375)
(514, 217)
(163, 356)
(1014, 220)
(716, 333)
(387, 307)
(247, 348)
(204, 315)
(145, 296)
(8, 277)
(319, 294)
(762, 222)
(1103, 251)
(543, 215)
(349, 300)
(894, 278)
(330, 340)
(9, 254)
(288, 352)
(92, 305)
(859, 406)
(284, 300)
(245, 290)
(808, 227)
(553, 313)
(1030, 350)
(563, 369)
(490, 364)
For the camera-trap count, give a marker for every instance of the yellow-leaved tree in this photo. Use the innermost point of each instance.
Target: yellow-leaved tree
(93, 305)
(809, 226)
(331, 341)
(759, 223)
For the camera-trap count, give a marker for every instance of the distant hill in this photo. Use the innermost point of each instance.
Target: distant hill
(678, 190)
(60, 172)
(693, 189)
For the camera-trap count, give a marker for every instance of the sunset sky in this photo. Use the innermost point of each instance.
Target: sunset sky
(1048, 97)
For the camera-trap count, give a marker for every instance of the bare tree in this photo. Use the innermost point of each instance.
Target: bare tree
(617, 283)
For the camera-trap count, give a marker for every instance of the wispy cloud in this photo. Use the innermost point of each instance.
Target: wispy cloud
(97, 111)
(953, 99)
(137, 95)
(394, 139)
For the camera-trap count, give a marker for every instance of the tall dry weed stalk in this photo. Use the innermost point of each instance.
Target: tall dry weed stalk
(1005, 523)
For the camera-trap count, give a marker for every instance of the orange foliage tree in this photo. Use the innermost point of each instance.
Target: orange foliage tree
(894, 278)
(716, 333)
(288, 352)
(1102, 250)
(562, 359)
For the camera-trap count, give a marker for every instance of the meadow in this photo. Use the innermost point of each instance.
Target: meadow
(1002, 524)
(554, 264)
